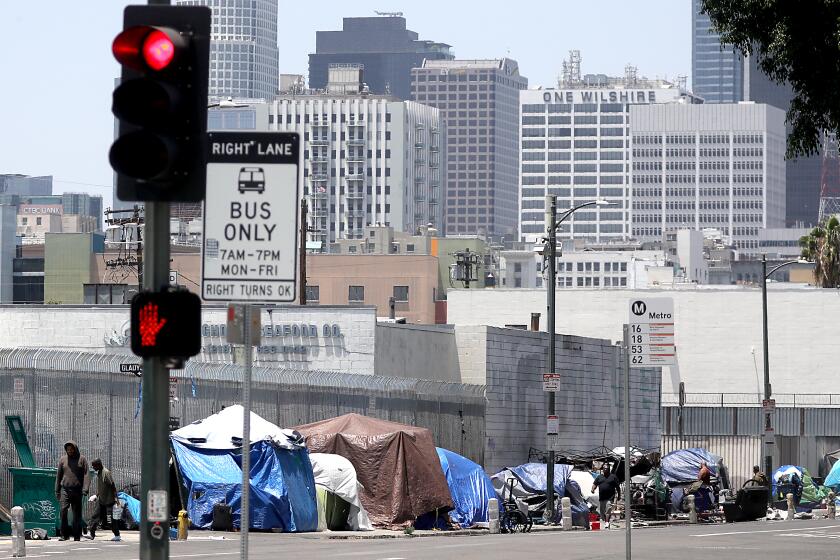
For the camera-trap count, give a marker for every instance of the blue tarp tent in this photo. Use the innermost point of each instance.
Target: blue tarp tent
(683, 465)
(282, 485)
(833, 478)
(470, 487)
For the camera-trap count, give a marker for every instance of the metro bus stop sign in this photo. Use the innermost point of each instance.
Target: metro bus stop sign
(250, 251)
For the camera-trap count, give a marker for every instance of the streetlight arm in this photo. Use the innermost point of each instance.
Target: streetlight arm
(772, 270)
(571, 211)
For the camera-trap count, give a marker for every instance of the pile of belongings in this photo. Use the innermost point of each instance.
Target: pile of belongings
(680, 470)
(529, 488)
(397, 465)
(796, 480)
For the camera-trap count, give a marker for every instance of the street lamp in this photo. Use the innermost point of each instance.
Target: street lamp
(768, 427)
(552, 223)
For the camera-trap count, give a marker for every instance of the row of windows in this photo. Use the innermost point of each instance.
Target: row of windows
(609, 266)
(591, 282)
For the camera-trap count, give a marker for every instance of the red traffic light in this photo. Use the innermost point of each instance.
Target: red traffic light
(147, 48)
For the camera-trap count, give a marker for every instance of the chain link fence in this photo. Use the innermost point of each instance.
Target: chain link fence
(63, 395)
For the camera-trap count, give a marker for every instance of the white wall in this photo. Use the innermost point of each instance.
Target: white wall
(106, 329)
(715, 331)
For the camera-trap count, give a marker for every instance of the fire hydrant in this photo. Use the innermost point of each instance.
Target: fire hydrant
(183, 525)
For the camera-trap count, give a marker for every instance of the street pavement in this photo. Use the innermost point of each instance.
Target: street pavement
(765, 540)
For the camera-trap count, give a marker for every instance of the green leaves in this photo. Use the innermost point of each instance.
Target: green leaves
(822, 247)
(795, 42)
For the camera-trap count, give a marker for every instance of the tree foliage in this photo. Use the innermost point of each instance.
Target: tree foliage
(793, 41)
(822, 247)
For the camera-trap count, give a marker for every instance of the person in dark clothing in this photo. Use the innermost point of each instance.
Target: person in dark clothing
(607, 484)
(106, 497)
(759, 477)
(71, 484)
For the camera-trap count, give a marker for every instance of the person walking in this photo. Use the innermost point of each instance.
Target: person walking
(71, 485)
(607, 484)
(106, 496)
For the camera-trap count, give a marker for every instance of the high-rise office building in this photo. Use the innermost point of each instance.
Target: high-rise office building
(717, 72)
(479, 104)
(718, 166)
(575, 144)
(244, 58)
(24, 185)
(383, 46)
(803, 173)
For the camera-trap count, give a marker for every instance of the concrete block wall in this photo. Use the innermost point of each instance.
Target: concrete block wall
(589, 405)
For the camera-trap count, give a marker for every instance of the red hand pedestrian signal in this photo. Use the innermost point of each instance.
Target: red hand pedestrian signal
(166, 324)
(149, 324)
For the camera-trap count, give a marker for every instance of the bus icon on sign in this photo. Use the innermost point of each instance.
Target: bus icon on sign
(251, 179)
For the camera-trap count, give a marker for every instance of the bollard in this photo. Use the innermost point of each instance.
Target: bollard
(831, 506)
(18, 537)
(566, 505)
(183, 525)
(692, 509)
(791, 509)
(493, 515)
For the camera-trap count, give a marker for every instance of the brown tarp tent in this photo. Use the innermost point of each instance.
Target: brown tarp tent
(397, 465)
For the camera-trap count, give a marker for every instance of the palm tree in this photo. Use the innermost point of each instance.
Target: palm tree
(822, 247)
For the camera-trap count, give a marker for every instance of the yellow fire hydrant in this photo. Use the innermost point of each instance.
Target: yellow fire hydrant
(183, 525)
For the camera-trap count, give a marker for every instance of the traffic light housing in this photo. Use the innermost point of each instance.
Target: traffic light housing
(166, 324)
(161, 103)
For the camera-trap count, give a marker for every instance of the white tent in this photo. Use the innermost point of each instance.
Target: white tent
(223, 430)
(336, 474)
(585, 480)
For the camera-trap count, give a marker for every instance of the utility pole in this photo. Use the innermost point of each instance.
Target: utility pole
(128, 226)
(551, 202)
(768, 426)
(302, 251)
(466, 265)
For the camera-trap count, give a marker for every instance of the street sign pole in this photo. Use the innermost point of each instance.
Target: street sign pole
(246, 434)
(625, 365)
(154, 481)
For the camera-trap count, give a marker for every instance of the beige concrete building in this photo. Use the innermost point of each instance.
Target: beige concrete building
(373, 279)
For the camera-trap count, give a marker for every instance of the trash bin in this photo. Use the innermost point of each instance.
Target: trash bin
(33, 489)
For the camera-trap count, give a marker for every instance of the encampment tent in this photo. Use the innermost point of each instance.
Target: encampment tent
(282, 486)
(396, 464)
(208, 457)
(797, 480)
(337, 475)
(470, 487)
(683, 465)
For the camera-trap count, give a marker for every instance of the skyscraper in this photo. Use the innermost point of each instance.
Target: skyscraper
(382, 45)
(717, 72)
(803, 173)
(244, 58)
(479, 104)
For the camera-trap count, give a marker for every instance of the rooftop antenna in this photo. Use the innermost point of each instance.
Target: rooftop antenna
(388, 14)
(574, 66)
(631, 74)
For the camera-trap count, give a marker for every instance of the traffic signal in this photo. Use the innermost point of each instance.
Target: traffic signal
(166, 324)
(161, 103)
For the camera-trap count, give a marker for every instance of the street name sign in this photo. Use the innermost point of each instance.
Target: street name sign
(250, 250)
(651, 327)
(768, 406)
(551, 382)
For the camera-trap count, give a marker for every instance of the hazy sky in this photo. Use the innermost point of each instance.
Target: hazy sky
(58, 72)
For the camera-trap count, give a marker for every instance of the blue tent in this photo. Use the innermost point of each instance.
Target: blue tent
(833, 478)
(282, 486)
(683, 465)
(532, 478)
(470, 487)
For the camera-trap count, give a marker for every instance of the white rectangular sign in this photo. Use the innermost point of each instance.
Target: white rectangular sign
(157, 505)
(552, 425)
(251, 217)
(651, 336)
(551, 382)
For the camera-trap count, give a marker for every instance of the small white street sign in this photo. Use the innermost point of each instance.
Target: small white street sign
(251, 217)
(551, 382)
(768, 406)
(157, 508)
(552, 425)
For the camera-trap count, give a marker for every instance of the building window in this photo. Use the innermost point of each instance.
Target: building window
(409, 248)
(106, 294)
(313, 294)
(356, 294)
(401, 293)
(38, 221)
